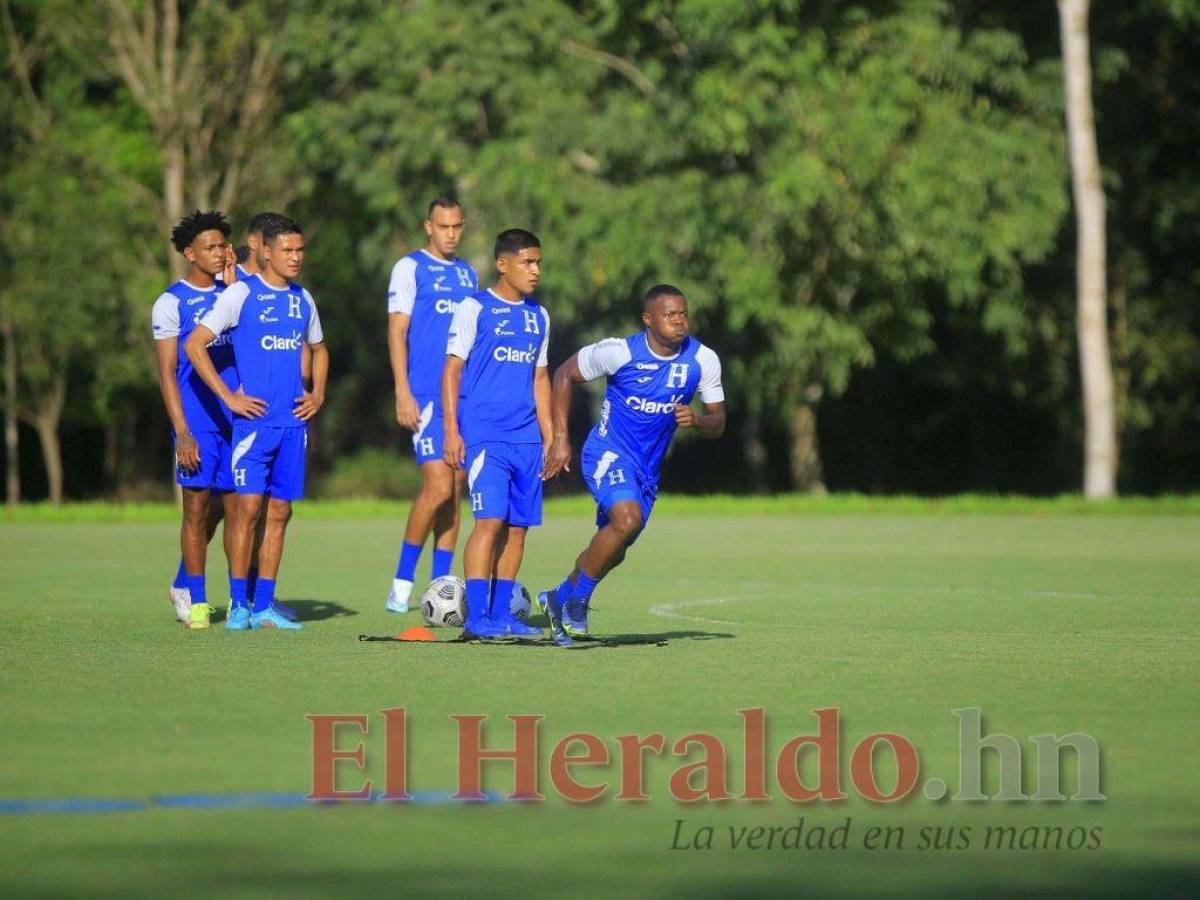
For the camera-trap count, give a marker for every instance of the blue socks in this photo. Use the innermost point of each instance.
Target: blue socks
(477, 599)
(237, 592)
(196, 587)
(181, 576)
(407, 567)
(441, 562)
(264, 595)
(502, 591)
(583, 587)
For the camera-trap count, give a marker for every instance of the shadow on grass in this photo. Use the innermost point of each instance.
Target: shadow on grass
(316, 610)
(608, 641)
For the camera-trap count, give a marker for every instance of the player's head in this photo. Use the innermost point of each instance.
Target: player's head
(255, 261)
(665, 314)
(242, 253)
(202, 238)
(444, 224)
(282, 247)
(519, 259)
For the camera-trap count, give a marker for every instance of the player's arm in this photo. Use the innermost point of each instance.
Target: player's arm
(306, 366)
(709, 424)
(463, 328)
(196, 347)
(221, 318)
(313, 398)
(408, 413)
(566, 376)
(542, 404)
(402, 299)
(310, 402)
(186, 449)
(454, 452)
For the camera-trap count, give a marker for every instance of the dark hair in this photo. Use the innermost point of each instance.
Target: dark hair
(445, 202)
(660, 290)
(514, 240)
(277, 225)
(260, 221)
(242, 253)
(191, 227)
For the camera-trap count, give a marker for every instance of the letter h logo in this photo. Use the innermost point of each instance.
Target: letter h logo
(476, 501)
(294, 307)
(239, 477)
(427, 446)
(677, 376)
(531, 322)
(616, 476)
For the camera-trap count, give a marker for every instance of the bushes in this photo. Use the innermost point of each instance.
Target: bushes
(372, 472)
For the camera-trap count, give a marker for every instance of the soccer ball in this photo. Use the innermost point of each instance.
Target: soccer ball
(444, 603)
(521, 602)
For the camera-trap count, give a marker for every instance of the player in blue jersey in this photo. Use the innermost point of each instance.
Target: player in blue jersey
(425, 290)
(200, 424)
(496, 397)
(269, 318)
(652, 377)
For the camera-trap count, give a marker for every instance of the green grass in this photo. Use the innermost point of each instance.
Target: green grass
(1049, 618)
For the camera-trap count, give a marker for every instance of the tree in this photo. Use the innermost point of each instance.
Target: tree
(1095, 364)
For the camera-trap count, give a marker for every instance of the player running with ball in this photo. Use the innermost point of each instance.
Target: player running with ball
(652, 377)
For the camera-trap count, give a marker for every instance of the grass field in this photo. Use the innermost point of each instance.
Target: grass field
(1049, 619)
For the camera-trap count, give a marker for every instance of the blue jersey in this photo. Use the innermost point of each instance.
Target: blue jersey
(428, 290)
(175, 314)
(638, 413)
(268, 326)
(503, 343)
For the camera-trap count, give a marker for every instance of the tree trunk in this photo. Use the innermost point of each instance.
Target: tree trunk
(805, 455)
(756, 453)
(12, 444)
(174, 164)
(1091, 319)
(45, 418)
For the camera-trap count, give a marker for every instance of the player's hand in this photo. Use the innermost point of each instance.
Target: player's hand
(187, 452)
(229, 273)
(408, 413)
(307, 405)
(685, 416)
(247, 407)
(454, 452)
(557, 458)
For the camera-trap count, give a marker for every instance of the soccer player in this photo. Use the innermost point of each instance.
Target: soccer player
(425, 290)
(200, 423)
(270, 318)
(496, 398)
(652, 377)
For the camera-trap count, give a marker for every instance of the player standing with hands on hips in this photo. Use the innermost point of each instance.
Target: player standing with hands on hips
(270, 318)
(496, 398)
(652, 377)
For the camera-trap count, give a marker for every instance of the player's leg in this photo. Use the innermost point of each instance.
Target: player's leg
(430, 510)
(435, 496)
(252, 577)
(193, 540)
(254, 451)
(524, 512)
(489, 478)
(285, 484)
(445, 527)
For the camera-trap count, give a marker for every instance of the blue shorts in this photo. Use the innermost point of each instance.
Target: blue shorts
(612, 477)
(269, 460)
(214, 474)
(505, 482)
(430, 437)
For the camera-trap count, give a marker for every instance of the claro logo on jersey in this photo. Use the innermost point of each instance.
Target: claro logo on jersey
(653, 407)
(511, 354)
(446, 305)
(275, 342)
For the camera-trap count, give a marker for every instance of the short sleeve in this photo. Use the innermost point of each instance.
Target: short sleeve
(463, 328)
(315, 335)
(709, 389)
(164, 318)
(227, 310)
(543, 359)
(603, 358)
(402, 289)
